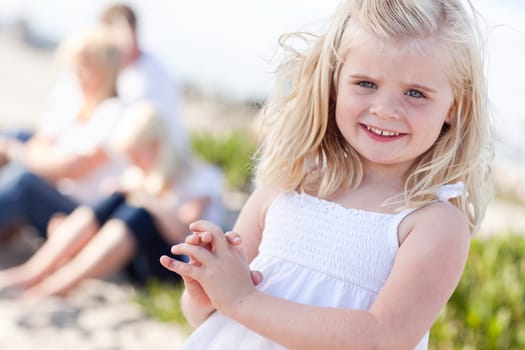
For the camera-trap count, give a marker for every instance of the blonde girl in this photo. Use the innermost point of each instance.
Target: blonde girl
(62, 164)
(371, 179)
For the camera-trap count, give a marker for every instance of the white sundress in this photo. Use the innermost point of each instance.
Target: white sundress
(320, 253)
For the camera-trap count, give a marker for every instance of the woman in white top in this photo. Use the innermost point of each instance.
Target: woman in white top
(63, 164)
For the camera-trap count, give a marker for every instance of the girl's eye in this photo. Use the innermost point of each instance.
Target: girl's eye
(415, 94)
(367, 84)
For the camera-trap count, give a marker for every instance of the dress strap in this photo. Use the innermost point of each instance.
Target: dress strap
(444, 193)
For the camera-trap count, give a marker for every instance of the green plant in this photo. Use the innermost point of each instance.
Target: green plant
(486, 310)
(231, 152)
(162, 301)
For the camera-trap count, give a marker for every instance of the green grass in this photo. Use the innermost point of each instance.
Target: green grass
(162, 301)
(487, 309)
(232, 153)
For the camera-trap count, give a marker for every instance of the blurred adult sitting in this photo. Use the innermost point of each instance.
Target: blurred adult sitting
(65, 162)
(159, 195)
(142, 77)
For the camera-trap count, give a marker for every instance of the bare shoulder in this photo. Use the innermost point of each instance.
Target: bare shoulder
(440, 225)
(438, 230)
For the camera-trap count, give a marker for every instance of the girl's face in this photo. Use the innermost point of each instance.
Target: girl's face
(393, 101)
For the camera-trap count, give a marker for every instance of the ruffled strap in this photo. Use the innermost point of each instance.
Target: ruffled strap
(445, 192)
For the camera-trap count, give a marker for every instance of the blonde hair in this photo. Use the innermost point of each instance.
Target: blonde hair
(304, 146)
(141, 126)
(98, 48)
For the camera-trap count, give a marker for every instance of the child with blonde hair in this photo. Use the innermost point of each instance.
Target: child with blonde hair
(62, 164)
(159, 194)
(370, 181)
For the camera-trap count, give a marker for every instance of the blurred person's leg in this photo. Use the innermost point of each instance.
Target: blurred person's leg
(129, 239)
(108, 251)
(67, 235)
(19, 135)
(64, 241)
(151, 245)
(29, 198)
(10, 173)
(22, 135)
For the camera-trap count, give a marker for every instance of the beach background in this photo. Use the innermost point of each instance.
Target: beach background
(223, 54)
(228, 49)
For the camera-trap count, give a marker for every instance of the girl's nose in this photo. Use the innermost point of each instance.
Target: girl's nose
(386, 107)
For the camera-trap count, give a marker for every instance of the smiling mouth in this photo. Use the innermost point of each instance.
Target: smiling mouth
(381, 132)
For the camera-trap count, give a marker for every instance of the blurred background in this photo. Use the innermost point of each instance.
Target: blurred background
(222, 54)
(228, 49)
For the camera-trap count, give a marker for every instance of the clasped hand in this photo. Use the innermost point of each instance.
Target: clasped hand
(217, 273)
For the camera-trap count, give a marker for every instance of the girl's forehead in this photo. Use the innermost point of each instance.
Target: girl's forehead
(415, 45)
(419, 51)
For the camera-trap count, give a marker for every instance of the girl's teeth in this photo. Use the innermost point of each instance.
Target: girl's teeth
(382, 132)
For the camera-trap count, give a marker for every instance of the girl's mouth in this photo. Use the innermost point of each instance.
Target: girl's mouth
(381, 132)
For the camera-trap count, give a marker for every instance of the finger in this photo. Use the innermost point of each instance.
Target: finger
(206, 237)
(197, 252)
(233, 238)
(257, 277)
(205, 226)
(166, 261)
(215, 238)
(194, 239)
(187, 271)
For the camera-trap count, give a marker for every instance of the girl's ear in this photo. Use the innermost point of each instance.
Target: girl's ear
(450, 115)
(448, 118)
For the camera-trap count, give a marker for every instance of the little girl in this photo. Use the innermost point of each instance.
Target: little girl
(372, 176)
(158, 196)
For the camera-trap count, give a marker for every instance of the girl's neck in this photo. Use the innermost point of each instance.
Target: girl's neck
(380, 190)
(385, 176)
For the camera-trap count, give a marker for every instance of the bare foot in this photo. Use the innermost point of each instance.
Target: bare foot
(16, 277)
(41, 291)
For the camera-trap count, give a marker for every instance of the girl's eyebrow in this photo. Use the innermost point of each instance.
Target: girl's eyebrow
(421, 87)
(360, 77)
(412, 85)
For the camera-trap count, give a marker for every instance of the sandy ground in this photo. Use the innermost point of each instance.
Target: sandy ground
(102, 314)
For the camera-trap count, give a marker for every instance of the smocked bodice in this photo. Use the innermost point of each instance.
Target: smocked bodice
(354, 246)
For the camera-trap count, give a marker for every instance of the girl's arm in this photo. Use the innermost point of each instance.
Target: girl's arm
(195, 303)
(426, 271)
